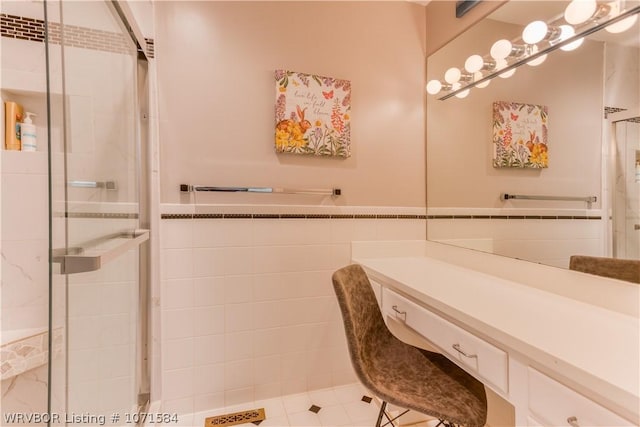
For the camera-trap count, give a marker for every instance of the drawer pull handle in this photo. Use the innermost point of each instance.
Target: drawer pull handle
(457, 348)
(398, 312)
(573, 422)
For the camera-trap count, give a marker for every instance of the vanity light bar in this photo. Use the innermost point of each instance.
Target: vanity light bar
(532, 51)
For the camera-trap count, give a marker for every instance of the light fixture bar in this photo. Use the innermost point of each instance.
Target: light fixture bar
(550, 48)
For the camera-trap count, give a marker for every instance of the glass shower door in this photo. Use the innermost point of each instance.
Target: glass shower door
(626, 184)
(96, 212)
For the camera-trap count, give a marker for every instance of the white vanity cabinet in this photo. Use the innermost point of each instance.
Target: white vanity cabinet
(555, 404)
(549, 403)
(559, 360)
(470, 352)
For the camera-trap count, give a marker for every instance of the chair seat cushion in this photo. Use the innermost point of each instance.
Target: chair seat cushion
(423, 381)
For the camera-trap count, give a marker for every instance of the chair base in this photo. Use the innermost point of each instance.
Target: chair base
(383, 413)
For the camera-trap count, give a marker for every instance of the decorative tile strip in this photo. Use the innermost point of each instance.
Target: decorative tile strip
(578, 217)
(23, 28)
(238, 216)
(289, 216)
(207, 216)
(110, 215)
(27, 353)
(176, 216)
(151, 48)
(610, 110)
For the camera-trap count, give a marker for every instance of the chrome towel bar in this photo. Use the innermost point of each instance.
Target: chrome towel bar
(589, 199)
(186, 188)
(108, 185)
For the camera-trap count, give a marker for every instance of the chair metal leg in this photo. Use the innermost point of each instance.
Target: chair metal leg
(382, 412)
(390, 420)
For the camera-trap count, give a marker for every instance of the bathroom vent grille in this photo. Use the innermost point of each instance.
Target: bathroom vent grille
(255, 416)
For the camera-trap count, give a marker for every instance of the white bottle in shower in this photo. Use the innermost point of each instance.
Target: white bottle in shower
(28, 133)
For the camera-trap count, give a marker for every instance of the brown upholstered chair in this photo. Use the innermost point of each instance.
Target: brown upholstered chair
(615, 268)
(399, 373)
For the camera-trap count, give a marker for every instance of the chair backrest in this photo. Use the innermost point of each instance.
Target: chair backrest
(363, 323)
(615, 268)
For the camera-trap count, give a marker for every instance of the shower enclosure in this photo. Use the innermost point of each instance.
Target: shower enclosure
(74, 216)
(625, 137)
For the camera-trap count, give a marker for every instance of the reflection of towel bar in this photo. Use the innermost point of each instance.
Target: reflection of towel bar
(589, 199)
(108, 185)
(186, 188)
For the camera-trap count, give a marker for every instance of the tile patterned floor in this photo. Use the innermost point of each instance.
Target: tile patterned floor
(349, 405)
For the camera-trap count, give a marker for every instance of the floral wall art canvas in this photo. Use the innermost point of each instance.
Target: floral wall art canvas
(520, 135)
(313, 114)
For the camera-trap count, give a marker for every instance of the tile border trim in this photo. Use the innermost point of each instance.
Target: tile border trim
(289, 216)
(371, 216)
(102, 215)
(587, 217)
(32, 29)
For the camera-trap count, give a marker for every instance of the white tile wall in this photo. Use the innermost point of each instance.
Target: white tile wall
(248, 309)
(546, 241)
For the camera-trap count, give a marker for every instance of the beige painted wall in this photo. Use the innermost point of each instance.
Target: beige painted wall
(216, 97)
(459, 159)
(443, 26)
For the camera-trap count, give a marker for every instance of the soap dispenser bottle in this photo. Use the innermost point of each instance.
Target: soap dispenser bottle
(28, 133)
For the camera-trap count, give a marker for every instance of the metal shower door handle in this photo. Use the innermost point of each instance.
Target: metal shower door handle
(81, 260)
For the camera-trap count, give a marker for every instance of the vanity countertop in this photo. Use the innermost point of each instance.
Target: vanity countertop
(592, 348)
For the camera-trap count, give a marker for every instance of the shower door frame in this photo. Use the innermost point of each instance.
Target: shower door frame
(142, 179)
(613, 119)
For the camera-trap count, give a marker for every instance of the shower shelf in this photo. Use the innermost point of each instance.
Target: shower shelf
(29, 351)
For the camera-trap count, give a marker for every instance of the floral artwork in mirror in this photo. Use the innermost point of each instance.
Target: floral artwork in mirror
(312, 114)
(520, 135)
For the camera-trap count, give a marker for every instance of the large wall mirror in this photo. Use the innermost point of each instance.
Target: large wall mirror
(558, 114)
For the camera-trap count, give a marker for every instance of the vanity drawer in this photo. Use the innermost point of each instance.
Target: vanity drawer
(557, 405)
(481, 358)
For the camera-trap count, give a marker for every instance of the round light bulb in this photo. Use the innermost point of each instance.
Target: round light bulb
(501, 49)
(500, 64)
(477, 76)
(463, 94)
(452, 75)
(623, 25)
(474, 63)
(534, 32)
(507, 74)
(539, 60)
(434, 87)
(579, 11)
(567, 31)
